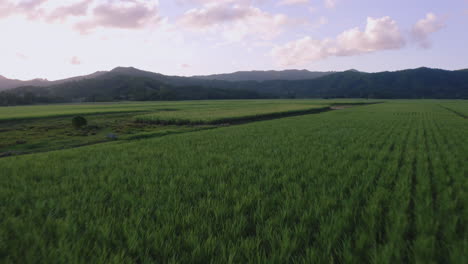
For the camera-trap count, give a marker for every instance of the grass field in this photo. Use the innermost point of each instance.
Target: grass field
(29, 129)
(222, 112)
(382, 183)
(57, 110)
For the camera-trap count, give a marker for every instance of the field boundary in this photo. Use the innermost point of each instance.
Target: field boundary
(454, 111)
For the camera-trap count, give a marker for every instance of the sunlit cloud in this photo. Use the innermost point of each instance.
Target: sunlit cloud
(379, 34)
(76, 9)
(88, 14)
(128, 14)
(425, 27)
(235, 22)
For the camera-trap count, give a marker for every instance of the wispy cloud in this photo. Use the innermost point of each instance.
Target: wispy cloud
(63, 12)
(89, 14)
(235, 22)
(425, 27)
(31, 9)
(7, 8)
(125, 14)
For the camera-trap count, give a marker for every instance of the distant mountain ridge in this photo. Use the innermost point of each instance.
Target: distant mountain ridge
(6, 83)
(128, 83)
(264, 75)
(420, 83)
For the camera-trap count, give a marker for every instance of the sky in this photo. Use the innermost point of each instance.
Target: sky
(55, 39)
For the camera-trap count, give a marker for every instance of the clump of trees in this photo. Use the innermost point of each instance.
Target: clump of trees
(79, 122)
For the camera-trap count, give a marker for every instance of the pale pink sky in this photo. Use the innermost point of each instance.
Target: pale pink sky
(61, 38)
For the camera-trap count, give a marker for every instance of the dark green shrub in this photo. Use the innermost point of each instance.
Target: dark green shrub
(79, 122)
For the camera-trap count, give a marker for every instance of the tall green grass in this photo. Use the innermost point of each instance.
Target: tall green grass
(206, 107)
(219, 114)
(380, 183)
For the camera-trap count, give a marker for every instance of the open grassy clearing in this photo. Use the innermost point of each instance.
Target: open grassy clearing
(382, 183)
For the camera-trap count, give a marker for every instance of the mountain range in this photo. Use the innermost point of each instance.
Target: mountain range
(6, 84)
(128, 83)
(264, 75)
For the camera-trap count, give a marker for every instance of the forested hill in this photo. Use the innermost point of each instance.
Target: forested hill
(410, 84)
(133, 84)
(118, 87)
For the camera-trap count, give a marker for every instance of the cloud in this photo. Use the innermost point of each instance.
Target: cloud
(63, 12)
(330, 3)
(293, 2)
(424, 28)
(30, 4)
(29, 8)
(32, 9)
(215, 14)
(124, 14)
(205, 2)
(89, 14)
(380, 34)
(236, 22)
(75, 61)
(6, 9)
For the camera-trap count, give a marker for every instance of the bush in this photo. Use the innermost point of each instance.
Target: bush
(79, 122)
